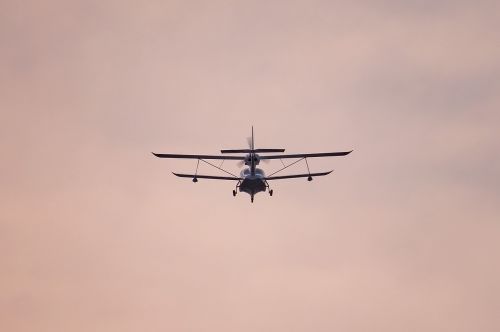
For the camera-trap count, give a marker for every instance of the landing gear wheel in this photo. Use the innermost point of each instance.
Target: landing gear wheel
(251, 199)
(234, 192)
(270, 192)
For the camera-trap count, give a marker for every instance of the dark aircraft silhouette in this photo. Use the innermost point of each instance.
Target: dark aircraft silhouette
(252, 180)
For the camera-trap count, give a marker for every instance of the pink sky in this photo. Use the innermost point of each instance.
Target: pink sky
(97, 235)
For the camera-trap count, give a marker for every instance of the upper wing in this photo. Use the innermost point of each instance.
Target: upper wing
(250, 150)
(306, 155)
(196, 156)
(193, 176)
(296, 176)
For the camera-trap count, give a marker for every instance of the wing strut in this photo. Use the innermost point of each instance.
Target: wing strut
(309, 175)
(195, 179)
(281, 169)
(195, 176)
(309, 178)
(220, 168)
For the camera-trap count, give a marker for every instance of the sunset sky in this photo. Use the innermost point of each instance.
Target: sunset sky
(96, 234)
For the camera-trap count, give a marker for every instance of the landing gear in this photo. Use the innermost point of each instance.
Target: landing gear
(269, 189)
(251, 199)
(235, 189)
(195, 180)
(309, 178)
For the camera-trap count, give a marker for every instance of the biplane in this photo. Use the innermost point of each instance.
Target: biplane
(252, 179)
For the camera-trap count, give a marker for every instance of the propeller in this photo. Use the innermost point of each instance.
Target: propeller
(241, 163)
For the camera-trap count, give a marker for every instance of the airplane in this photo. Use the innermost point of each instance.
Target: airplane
(251, 180)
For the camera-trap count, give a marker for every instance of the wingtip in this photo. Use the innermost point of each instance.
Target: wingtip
(154, 154)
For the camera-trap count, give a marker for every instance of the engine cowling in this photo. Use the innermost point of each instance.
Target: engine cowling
(248, 159)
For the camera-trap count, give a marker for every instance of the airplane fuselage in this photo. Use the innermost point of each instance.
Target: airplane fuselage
(253, 178)
(253, 181)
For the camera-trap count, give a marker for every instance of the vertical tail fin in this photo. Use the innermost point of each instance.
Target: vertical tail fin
(253, 144)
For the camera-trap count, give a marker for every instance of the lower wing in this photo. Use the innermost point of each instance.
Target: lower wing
(198, 176)
(297, 176)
